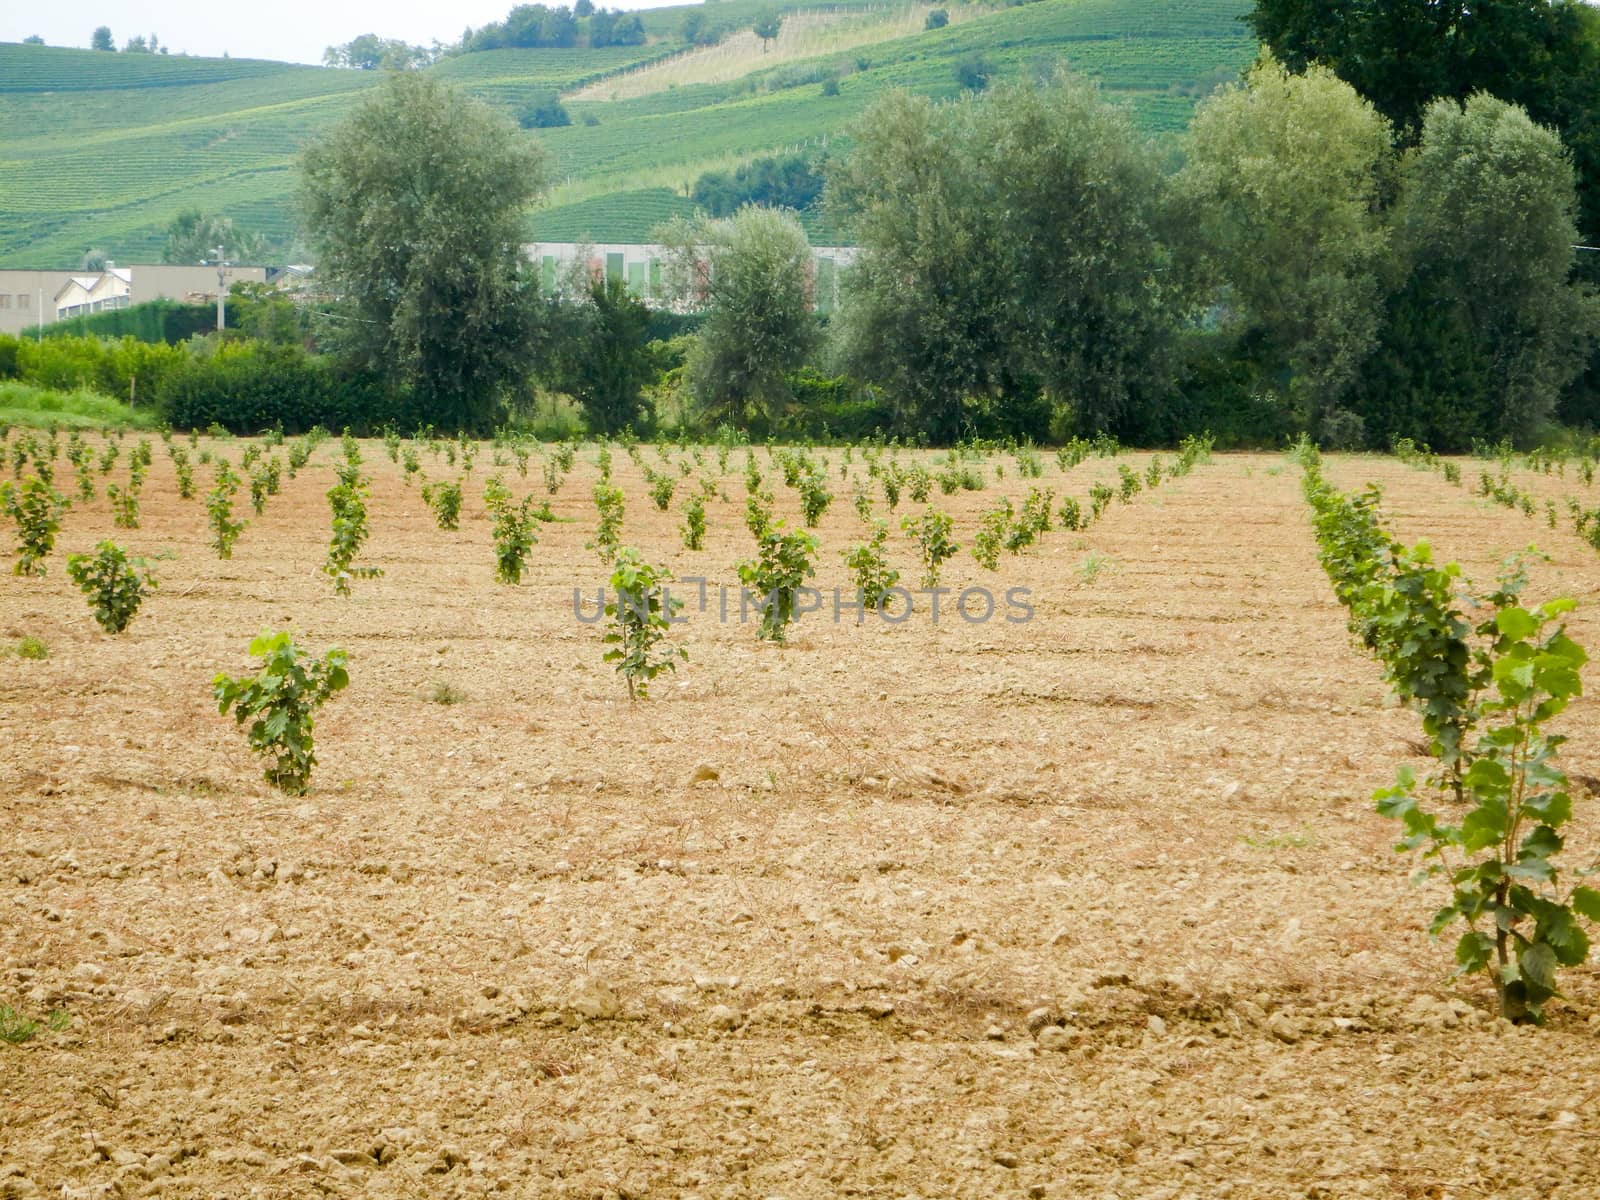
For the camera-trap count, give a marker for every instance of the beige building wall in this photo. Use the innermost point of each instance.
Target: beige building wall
(23, 293)
(196, 285)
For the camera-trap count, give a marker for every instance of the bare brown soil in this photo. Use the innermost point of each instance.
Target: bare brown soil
(1093, 905)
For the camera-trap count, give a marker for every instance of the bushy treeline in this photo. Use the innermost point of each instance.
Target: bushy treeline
(532, 25)
(526, 26)
(1028, 266)
(792, 181)
(1026, 262)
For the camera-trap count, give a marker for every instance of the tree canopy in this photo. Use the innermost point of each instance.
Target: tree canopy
(415, 205)
(1284, 181)
(1487, 327)
(752, 273)
(1010, 261)
(1403, 54)
(193, 237)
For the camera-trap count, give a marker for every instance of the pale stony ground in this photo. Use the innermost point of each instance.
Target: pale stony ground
(1093, 905)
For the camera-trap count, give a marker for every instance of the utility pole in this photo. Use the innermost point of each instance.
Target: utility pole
(222, 289)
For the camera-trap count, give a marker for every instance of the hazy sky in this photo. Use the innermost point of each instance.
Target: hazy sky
(289, 30)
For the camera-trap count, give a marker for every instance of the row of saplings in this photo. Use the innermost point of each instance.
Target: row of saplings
(1489, 817)
(281, 700)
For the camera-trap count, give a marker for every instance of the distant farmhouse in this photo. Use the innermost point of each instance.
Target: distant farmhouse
(26, 296)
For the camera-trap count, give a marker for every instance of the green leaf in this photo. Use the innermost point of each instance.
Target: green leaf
(1541, 842)
(1538, 963)
(1586, 901)
(1516, 623)
(1474, 952)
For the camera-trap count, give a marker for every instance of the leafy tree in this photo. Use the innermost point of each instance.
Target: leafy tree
(614, 28)
(937, 19)
(603, 358)
(1402, 54)
(794, 181)
(33, 39)
(1489, 327)
(545, 111)
(751, 272)
(583, 8)
(558, 28)
(766, 28)
(369, 52)
(1009, 265)
(1284, 180)
(974, 72)
(101, 39)
(698, 29)
(266, 314)
(193, 237)
(415, 204)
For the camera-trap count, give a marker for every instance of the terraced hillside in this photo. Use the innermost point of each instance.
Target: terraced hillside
(103, 150)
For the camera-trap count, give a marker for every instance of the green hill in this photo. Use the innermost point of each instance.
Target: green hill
(104, 149)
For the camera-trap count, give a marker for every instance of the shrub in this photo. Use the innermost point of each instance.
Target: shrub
(783, 562)
(124, 506)
(280, 703)
(758, 513)
(246, 387)
(993, 527)
(870, 570)
(1129, 484)
(1485, 694)
(661, 488)
(443, 496)
(932, 534)
(180, 464)
(609, 502)
(348, 501)
(83, 462)
(814, 497)
(918, 483)
(891, 479)
(641, 615)
(1035, 518)
(694, 523)
(219, 511)
(513, 539)
(1100, 496)
(114, 584)
(36, 507)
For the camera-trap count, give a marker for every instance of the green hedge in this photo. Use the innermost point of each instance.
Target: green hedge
(155, 321)
(251, 387)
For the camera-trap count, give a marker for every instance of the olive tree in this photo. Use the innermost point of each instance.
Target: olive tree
(1011, 265)
(1285, 177)
(1489, 326)
(415, 207)
(751, 272)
